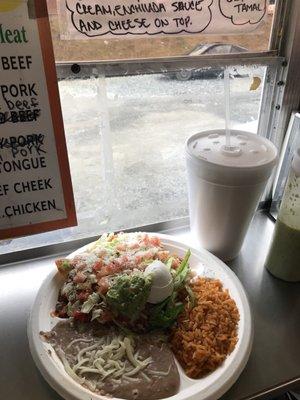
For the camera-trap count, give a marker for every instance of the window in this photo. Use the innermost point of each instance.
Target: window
(126, 121)
(111, 49)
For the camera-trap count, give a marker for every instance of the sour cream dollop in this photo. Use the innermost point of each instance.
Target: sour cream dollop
(162, 282)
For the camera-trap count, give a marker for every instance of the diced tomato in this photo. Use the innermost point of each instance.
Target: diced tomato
(106, 316)
(175, 263)
(79, 277)
(121, 262)
(83, 295)
(103, 272)
(79, 316)
(110, 269)
(98, 266)
(79, 260)
(121, 247)
(155, 241)
(62, 313)
(138, 259)
(146, 240)
(133, 246)
(103, 284)
(163, 255)
(113, 268)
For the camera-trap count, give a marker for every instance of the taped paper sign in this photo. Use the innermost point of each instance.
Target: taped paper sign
(81, 19)
(35, 185)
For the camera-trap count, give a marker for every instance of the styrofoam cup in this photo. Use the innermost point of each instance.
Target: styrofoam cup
(225, 185)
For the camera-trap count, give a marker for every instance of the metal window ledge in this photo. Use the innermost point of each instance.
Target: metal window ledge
(274, 364)
(128, 67)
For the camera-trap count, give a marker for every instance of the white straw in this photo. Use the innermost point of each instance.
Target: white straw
(227, 105)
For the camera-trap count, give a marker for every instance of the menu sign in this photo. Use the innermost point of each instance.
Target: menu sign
(133, 18)
(35, 185)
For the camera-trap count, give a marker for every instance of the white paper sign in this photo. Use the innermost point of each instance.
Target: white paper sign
(81, 19)
(35, 186)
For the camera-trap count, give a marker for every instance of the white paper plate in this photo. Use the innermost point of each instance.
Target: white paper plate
(208, 388)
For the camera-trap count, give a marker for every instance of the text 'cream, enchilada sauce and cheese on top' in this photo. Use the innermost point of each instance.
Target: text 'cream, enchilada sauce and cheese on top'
(127, 305)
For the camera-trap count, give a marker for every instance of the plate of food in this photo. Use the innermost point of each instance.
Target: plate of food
(140, 316)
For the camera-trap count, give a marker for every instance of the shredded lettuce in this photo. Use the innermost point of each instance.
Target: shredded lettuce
(170, 262)
(182, 271)
(67, 289)
(191, 295)
(89, 304)
(165, 314)
(96, 313)
(71, 307)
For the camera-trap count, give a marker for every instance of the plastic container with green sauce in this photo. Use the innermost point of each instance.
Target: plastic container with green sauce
(283, 260)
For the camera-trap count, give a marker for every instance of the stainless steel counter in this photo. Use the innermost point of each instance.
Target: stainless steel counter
(274, 364)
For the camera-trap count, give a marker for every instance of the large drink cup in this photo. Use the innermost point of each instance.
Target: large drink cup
(225, 185)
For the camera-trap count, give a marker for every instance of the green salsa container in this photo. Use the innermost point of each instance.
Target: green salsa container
(283, 260)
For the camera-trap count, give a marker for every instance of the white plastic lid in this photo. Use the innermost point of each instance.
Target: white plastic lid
(249, 160)
(247, 149)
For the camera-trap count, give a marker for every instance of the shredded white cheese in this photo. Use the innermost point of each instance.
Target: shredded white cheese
(110, 356)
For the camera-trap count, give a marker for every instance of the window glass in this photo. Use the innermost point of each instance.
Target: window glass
(126, 136)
